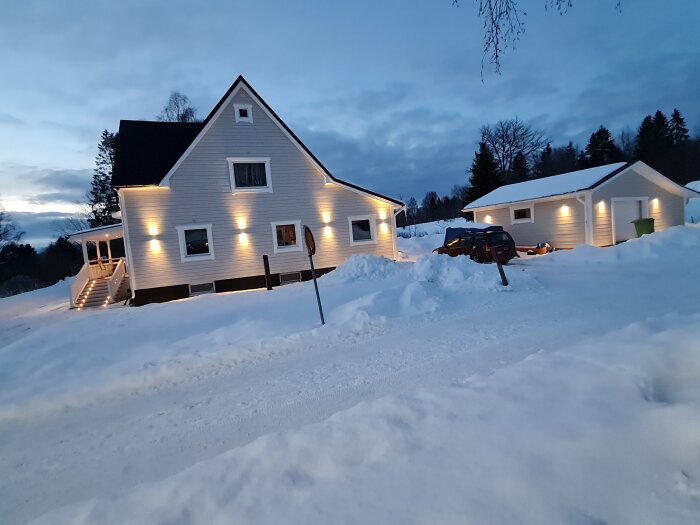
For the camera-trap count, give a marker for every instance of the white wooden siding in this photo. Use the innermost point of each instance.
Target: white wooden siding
(200, 192)
(550, 225)
(670, 210)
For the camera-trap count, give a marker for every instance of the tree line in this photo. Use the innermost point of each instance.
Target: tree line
(513, 151)
(23, 268)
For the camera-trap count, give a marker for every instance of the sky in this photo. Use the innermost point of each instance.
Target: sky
(388, 94)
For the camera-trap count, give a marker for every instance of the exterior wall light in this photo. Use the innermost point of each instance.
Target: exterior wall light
(565, 211)
(488, 219)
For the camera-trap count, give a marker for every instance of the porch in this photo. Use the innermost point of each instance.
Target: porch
(103, 278)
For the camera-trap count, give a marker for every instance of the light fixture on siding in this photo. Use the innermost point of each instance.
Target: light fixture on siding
(155, 246)
(384, 227)
(601, 207)
(382, 215)
(565, 211)
(152, 230)
(654, 204)
(326, 217)
(242, 223)
(327, 232)
(243, 239)
(488, 219)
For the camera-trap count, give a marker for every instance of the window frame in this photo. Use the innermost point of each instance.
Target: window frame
(372, 228)
(249, 160)
(285, 249)
(248, 107)
(183, 246)
(530, 219)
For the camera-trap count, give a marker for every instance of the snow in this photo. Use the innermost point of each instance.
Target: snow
(420, 239)
(433, 394)
(546, 186)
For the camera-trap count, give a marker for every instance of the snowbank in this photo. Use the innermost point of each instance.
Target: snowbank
(671, 244)
(72, 358)
(604, 432)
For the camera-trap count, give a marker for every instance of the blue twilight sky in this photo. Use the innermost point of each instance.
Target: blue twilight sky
(387, 93)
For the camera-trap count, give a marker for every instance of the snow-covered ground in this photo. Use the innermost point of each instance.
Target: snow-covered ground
(433, 395)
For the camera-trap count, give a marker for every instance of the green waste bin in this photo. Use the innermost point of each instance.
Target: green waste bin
(643, 226)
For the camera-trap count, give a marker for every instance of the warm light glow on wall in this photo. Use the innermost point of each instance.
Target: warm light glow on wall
(601, 207)
(382, 215)
(155, 246)
(152, 229)
(328, 232)
(242, 223)
(243, 239)
(488, 219)
(565, 211)
(384, 227)
(326, 217)
(654, 204)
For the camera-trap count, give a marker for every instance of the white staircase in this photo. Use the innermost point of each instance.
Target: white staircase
(95, 293)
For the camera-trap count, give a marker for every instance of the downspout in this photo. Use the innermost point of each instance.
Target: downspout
(127, 247)
(587, 216)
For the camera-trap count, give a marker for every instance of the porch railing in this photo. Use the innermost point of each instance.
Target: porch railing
(116, 280)
(79, 282)
(102, 268)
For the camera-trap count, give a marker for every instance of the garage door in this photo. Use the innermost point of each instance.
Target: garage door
(624, 212)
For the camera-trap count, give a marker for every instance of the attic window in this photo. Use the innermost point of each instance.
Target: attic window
(249, 174)
(244, 112)
(522, 214)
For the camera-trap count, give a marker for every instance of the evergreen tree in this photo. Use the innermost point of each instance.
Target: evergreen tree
(678, 129)
(601, 149)
(520, 171)
(654, 142)
(102, 199)
(484, 173)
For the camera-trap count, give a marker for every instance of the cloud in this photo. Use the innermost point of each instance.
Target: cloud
(11, 120)
(39, 228)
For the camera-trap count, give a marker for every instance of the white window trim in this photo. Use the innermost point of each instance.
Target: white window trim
(513, 220)
(183, 248)
(243, 160)
(372, 228)
(249, 107)
(285, 249)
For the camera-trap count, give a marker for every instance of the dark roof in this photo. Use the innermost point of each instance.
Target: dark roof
(146, 151)
(143, 158)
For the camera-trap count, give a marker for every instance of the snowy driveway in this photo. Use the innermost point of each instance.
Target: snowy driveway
(439, 333)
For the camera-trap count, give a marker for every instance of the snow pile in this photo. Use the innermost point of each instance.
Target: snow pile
(670, 244)
(437, 227)
(362, 267)
(602, 432)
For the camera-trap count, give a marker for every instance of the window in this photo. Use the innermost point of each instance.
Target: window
(363, 229)
(522, 214)
(286, 236)
(195, 242)
(244, 112)
(250, 174)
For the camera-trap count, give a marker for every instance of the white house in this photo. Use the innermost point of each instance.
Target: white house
(201, 203)
(594, 206)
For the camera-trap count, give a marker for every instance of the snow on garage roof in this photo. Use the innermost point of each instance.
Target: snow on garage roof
(547, 186)
(695, 185)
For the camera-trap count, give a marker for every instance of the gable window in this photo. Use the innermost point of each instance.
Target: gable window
(520, 214)
(249, 174)
(286, 236)
(244, 112)
(363, 229)
(195, 242)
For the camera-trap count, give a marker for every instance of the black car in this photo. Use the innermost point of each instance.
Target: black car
(480, 244)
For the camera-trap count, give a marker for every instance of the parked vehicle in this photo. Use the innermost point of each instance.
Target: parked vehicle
(481, 245)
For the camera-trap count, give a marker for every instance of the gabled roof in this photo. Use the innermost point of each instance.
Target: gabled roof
(147, 151)
(548, 186)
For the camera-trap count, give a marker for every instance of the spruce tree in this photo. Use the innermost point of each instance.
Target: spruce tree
(654, 142)
(601, 149)
(520, 171)
(678, 129)
(484, 173)
(102, 199)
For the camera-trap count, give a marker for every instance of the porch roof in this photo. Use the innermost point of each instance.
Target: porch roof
(101, 233)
